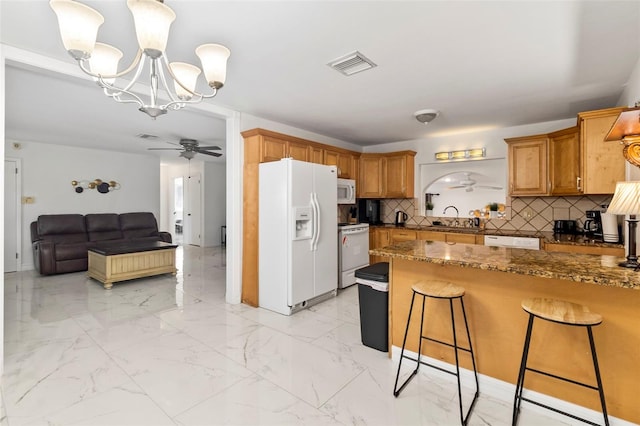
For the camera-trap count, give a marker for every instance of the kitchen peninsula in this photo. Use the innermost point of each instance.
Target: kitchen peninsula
(496, 280)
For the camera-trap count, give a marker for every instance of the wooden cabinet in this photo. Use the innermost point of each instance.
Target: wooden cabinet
(272, 149)
(451, 237)
(299, 151)
(602, 162)
(370, 184)
(389, 175)
(378, 237)
(571, 248)
(344, 161)
(400, 235)
(316, 155)
(574, 161)
(432, 236)
(528, 165)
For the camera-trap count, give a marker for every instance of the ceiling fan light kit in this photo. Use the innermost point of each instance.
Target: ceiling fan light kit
(79, 26)
(426, 116)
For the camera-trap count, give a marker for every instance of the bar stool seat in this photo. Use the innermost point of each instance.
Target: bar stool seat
(444, 290)
(564, 313)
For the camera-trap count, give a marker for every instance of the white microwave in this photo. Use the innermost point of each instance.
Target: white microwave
(346, 191)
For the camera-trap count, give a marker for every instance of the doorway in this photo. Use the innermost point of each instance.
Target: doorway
(178, 209)
(12, 214)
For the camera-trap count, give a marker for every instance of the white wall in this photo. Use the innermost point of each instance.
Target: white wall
(214, 190)
(47, 172)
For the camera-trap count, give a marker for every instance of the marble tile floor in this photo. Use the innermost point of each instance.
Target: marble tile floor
(169, 351)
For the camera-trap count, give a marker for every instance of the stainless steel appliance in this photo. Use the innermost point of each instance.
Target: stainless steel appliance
(353, 252)
(369, 212)
(401, 218)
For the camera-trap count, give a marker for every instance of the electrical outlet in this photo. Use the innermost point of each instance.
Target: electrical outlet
(527, 213)
(28, 200)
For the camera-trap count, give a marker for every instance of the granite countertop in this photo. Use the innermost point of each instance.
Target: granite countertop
(546, 237)
(586, 268)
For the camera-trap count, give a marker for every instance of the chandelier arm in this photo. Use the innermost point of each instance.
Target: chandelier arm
(117, 97)
(194, 93)
(86, 70)
(172, 98)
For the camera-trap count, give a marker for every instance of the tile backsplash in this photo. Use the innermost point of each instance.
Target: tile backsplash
(524, 213)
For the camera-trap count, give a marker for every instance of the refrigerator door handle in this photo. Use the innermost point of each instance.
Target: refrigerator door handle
(314, 223)
(318, 221)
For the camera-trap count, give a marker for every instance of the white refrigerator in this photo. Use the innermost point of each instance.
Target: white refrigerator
(298, 265)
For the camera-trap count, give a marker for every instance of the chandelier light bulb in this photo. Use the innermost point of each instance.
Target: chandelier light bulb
(105, 60)
(214, 63)
(186, 74)
(78, 25)
(152, 20)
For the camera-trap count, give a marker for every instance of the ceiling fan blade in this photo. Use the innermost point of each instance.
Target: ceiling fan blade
(215, 154)
(457, 187)
(489, 187)
(164, 149)
(212, 147)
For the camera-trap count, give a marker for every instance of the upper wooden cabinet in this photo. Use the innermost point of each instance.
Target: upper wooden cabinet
(565, 164)
(528, 165)
(346, 162)
(272, 149)
(299, 151)
(388, 175)
(602, 161)
(572, 161)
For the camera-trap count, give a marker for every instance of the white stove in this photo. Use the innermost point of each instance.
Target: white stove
(353, 252)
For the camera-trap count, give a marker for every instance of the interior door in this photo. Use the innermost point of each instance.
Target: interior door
(193, 232)
(11, 224)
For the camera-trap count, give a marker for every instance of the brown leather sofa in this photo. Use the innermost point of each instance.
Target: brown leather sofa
(60, 241)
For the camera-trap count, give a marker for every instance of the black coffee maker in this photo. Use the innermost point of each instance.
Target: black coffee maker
(593, 224)
(369, 212)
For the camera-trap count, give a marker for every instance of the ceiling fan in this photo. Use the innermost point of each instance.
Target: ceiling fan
(191, 147)
(469, 184)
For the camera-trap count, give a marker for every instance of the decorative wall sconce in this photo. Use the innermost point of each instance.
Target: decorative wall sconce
(626, 129)
(464, 154)
(102, 186)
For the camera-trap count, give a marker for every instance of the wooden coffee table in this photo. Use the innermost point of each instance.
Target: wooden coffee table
(113, 262)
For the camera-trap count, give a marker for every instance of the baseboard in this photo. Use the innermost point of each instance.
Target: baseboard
(505, 391)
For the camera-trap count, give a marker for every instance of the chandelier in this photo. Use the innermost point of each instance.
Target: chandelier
(79, 29)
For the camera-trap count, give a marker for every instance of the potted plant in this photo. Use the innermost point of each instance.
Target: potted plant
(493, 209)
(429, 208)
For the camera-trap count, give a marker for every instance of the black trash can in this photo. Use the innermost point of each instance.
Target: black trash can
(373, 295)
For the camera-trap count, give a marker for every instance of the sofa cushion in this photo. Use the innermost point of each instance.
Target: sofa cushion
(103, 226)
(140, 224)
(71, 251)
(62, 227)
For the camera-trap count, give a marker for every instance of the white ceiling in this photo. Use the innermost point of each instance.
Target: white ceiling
(483, 64)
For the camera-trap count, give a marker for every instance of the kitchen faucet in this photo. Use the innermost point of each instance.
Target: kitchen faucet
(457, 213)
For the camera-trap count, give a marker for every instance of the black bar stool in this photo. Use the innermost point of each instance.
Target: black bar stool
(439, 290)
(565, 313)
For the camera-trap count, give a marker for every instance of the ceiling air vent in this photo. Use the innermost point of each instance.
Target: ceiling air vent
(352, 63)
(146, 136)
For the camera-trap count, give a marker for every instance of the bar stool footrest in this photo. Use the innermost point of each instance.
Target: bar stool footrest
(564, 379)
(446, 343)
(573, 416)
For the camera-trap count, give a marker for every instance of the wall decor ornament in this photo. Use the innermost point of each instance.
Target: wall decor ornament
(102, 186)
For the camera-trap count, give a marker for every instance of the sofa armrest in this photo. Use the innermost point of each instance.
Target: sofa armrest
(165, 236)
(44, 257)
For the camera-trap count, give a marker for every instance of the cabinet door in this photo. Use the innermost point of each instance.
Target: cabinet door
(528, 165)
(432, 236)
(453, 237)
(565, 171)
(603, 162)
(273, 149)
(395, 168)
(299, 151)
(317, 155)
(371, 176)
(399, 235)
